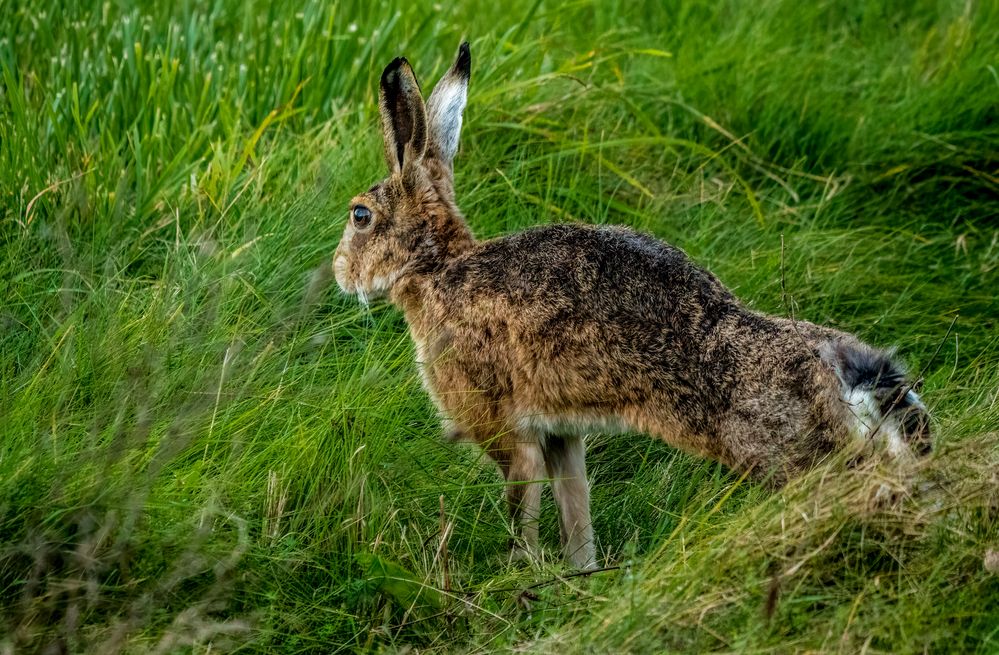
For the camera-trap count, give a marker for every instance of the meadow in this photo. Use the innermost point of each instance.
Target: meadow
(205, 447)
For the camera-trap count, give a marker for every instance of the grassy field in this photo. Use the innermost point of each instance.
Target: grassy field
(205, 447)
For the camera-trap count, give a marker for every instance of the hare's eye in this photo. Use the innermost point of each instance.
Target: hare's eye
(361, 215)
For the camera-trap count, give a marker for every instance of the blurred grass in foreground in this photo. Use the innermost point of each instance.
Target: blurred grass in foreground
(204, 447)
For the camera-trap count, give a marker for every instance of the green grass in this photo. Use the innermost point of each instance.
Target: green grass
(203, 446)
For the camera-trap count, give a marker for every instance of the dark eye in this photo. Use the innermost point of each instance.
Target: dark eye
(361, 215)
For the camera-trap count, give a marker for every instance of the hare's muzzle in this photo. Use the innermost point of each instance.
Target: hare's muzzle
(340, 270)
(341, 258)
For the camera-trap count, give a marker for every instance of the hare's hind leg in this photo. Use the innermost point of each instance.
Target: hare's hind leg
(522, 464)
(565, 460)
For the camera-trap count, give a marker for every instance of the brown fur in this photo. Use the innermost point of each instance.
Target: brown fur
(528, 341)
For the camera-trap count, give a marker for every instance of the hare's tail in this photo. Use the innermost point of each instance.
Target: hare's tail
(880, 396)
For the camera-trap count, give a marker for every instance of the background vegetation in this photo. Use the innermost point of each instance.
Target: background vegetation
(205, 447)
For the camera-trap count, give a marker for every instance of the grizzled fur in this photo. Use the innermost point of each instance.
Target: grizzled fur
(529, 341)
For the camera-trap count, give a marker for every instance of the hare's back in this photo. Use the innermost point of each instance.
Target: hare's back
(600, 272)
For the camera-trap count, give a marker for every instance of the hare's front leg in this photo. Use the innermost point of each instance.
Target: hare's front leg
(565, 460)
(522, 464)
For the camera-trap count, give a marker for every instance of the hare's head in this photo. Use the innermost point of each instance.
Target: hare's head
(408, 223)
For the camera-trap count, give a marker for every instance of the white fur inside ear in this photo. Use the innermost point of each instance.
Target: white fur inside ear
(445, 107)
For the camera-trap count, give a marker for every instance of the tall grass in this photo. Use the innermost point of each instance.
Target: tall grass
(205, 447)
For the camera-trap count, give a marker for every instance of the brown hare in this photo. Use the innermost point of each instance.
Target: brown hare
(527, 342)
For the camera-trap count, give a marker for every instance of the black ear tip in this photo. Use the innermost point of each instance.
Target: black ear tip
(463, 64)
(388, 75)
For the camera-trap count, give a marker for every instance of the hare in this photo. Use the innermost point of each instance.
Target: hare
(527, 342)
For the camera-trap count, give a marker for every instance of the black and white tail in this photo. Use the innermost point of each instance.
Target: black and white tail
(880, 397)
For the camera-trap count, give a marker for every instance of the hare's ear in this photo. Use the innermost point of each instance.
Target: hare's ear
(404, 118)
(445, 107)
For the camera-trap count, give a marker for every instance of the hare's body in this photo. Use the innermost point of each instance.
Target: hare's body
(564, 330)
(529, 341)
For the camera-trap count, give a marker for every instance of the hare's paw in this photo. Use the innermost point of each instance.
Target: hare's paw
(525, 555)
